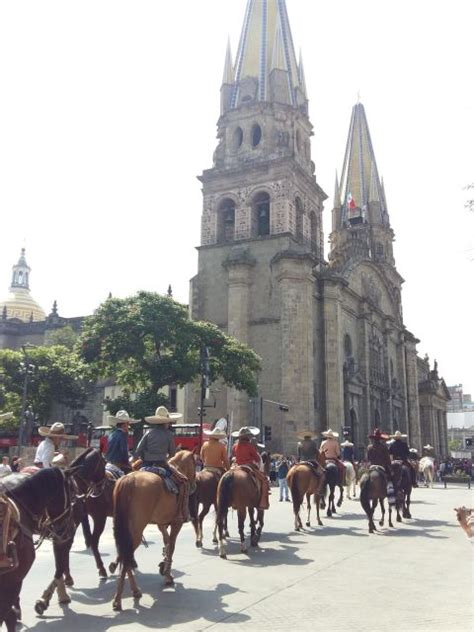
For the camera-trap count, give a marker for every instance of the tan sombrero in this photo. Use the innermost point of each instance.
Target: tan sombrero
(56, 431)
(215, 434)
(246, 431)
(398, 435)
(330, 434)
(346, 443)
(306, 434)
(162, 416)
(5, 416)
(121, 417)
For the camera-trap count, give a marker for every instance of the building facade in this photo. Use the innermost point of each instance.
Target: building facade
(330, 331)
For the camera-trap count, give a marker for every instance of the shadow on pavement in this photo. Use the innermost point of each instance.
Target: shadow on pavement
(174, 607)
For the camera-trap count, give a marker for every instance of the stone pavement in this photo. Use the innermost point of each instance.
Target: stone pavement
(415, 577)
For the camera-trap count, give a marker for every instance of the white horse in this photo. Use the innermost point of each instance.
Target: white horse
(427, 469)
(350, 479)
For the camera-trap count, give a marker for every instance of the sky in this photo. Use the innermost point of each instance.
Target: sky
(108, 112)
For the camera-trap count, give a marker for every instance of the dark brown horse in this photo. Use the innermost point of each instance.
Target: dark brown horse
(141, 498)
(206, 495)
(303, 479)
(41, 504)
(373, 489)
(402, 480)
(238, 489)
(333, 480)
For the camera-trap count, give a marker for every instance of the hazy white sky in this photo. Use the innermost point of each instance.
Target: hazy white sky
(108, 111)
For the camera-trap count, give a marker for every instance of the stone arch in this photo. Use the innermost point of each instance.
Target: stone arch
(261, 208)
(226, 220)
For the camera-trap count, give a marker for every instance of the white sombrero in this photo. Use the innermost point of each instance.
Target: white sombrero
(215, 434)
(246, 431)
(398, 435)
(347, 444)
(330, 434)
(428, 447)
(121, 417)
(162, 416)
(306, 434)
(57, 431)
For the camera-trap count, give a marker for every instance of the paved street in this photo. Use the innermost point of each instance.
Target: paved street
(418, 576)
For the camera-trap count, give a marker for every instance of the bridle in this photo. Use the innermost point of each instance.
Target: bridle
(92, 489)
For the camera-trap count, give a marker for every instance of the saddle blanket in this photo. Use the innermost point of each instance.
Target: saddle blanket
(166, 475)
(114, 471)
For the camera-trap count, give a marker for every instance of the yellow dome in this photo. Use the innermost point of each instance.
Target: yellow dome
(21, 305)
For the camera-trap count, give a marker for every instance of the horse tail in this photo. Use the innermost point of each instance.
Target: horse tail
(224, 495)
(86, 530)
(295, 493)
(364, 494)
(123, 538)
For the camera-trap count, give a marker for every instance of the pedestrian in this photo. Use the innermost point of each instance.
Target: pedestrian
(5, 466)
(49, 447)
(283, 467)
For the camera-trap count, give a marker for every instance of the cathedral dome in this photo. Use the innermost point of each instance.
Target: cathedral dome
(20, 304)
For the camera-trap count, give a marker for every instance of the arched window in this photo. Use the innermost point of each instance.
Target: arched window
(226, 221)
(238, 138)
(314, 232)
(262, 214)
(299, 218)
(256, 135)
(347, 346)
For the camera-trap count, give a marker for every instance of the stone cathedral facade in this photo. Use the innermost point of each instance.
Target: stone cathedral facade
(328, 327)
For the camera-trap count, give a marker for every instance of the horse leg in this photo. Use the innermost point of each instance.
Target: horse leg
(241, 522)
(330, 502)
(113, 565)
(316, 502)
(407, 503)
(8, 601)
(341, 496)
(117, 601)
(99, 526)
(308, 505)
(165, 566)
(61, 557)
(221, 521)
(260, 514)
(136, 592)
(253, 535)
(68, 580)
(195, 523)
(202, 515)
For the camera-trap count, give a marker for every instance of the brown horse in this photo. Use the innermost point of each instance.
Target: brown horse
(373, 487)
(42, 504)
(141, 498)
(238, 489)
(306, 480)
(206, 495)
(402, 480)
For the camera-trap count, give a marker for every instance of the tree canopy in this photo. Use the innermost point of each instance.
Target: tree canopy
(55, 374)
(148, 341)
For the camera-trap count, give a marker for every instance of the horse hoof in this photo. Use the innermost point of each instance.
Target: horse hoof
(215, 541)
(103, 573)
(69, 581)
(198, 544)
(64, 601)
(117, 606)
(308, 524)
(399, 519)
(137, 594)
(112, 567)
(169, 581)
(40, 607)
(161, 568)
(223, 556)
(381, 523)
(244, 550)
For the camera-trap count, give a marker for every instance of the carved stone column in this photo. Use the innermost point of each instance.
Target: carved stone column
(334, 383)
(414, 428)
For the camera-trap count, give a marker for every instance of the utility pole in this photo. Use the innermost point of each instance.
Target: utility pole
(205, 370)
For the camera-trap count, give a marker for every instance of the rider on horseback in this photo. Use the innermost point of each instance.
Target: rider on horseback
(245, 453)
(378, 454)
(307, 448)
(48, 448)
(213, 452)
(156, 447)
(117, 446)
(332, 451)
(399, 451)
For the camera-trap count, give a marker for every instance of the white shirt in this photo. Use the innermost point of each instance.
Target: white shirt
(45, 452)
(5, 469)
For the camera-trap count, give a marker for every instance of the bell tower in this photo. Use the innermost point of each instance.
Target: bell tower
(261, 226)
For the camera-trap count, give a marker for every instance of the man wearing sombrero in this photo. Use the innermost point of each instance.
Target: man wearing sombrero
(378, 454)
(213, 452)
(245, 453)
(117, 446)
(332, 451)
(399, 451)
(307, 448)
(48, 448)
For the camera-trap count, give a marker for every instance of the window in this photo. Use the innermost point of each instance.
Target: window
(299, 218)
(347, 346)
(262, 214)
(226, 221)
(256, 135)
(238, 137)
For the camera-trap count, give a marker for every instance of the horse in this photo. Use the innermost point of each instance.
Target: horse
(206, 494)
(141, 498)
(427, 469)
(238, 488)
(373, 487)
(41, 504)
(350, 479)
(333, 479)
(402, 480)
(303, 479)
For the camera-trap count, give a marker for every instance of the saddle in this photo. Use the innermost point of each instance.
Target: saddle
(165, 475)
(9, 526)
(315, 467)
(113, 472)
(253, 475)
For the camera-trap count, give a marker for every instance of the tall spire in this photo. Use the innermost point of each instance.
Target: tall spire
(360, 182)
(337, 193)
(228, 76)
(20, 275)
(301, 74)
(266, 44)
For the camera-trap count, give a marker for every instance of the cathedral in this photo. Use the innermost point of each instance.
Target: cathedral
(328, 326)
(329, 329)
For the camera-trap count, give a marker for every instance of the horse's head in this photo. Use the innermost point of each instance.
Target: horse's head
(184, 461)
(88, 470)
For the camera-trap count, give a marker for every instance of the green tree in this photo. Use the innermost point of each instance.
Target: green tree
(148, 341)
(55, 374)
(454, 445)
(63, 336)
